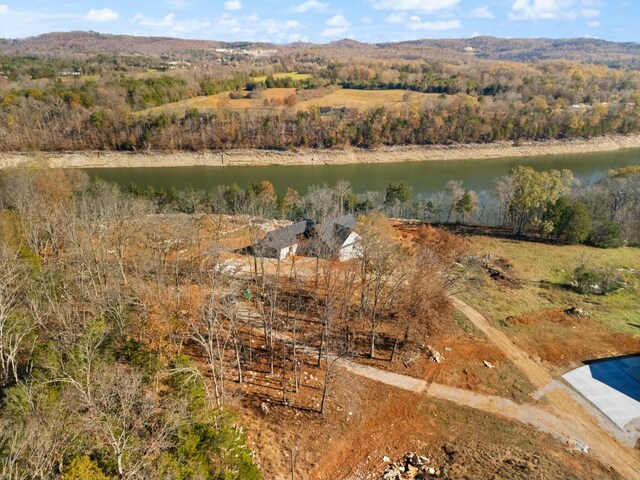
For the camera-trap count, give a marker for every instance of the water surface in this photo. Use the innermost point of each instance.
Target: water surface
(424, 178)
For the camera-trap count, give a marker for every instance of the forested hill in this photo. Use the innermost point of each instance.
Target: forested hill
(586, 50)
(86, 91)
(93, 42)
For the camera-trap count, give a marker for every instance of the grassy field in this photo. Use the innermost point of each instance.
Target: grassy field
(543, 270)
(356, 99)
(223, 101)
(528, 301)
(80, 78)
(363, 99)
(292, 75)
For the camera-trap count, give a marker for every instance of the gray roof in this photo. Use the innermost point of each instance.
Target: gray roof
(336, 231)
(348, 220)
(286, 236)
(331, 234)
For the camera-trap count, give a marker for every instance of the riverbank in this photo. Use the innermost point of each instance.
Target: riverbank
(237, 158)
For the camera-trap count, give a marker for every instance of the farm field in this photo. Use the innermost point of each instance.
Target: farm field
(363, 99)
(292, 75)
(222, 101)
(339, 98)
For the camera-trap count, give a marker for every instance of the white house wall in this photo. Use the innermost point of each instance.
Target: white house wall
(350, 248)
(288, 251)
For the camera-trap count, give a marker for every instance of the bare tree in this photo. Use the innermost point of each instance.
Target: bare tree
(381, 272)
(16, 326)
(211, 334)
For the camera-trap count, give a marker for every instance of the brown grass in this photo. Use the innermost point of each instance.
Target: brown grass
(355, 99)
(364, 99)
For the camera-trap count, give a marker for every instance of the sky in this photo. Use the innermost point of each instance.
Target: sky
(323, 21)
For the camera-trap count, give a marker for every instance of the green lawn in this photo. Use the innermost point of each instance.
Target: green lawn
(543, 269)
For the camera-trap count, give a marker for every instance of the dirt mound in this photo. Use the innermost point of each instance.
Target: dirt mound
(499, 269)
(467, 461)
(551, 316)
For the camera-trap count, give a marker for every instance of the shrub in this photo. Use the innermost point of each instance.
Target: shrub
(606, 235)
(83, 468)
(595, 281)
(575, 223)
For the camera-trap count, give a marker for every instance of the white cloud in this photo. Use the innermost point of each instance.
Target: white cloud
(590, 12)
(179, 4)
(421, 6)
(593, 24)
(482, 12)
(396, 18)
(311, 5)
(153, 22)
(22, 23)
(553, 9)
(233, 5)
(336, 25)
(171, 24)
(366, 20)
(100, 16)
(416, 23)
(338, 21)
(542, 9)
(253, 28)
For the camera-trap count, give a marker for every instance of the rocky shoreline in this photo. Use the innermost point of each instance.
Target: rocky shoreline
(256, 157)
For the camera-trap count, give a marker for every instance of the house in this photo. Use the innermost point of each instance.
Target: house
(337, 238)
(333, 239)
(284, 242)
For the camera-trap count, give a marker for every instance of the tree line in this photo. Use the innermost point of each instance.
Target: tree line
(550, 205)
(31, 123)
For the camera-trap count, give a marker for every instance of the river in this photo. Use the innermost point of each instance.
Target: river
(425, 178)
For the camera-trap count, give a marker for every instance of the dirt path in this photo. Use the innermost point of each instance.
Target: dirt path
(500, 406)
(534, 416)
(563, 417)
(569, 413)
(536, 373)
(389, 378)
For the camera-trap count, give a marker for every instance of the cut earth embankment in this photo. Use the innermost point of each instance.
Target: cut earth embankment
(258, 157)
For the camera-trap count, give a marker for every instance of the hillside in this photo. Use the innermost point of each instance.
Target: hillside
(115, 92)
(586, 50)
(94, 42)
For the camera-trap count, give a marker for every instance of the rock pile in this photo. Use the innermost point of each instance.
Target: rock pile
(576, 312)
(412, 466)
(434, 355)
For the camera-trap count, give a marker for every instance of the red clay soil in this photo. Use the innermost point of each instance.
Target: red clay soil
(564, 342)
(349, 442)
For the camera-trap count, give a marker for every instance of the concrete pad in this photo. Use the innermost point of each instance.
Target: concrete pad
(613, 386)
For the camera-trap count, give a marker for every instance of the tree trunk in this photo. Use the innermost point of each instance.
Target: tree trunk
(372, 346)
(120, 469)
(393, 351)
